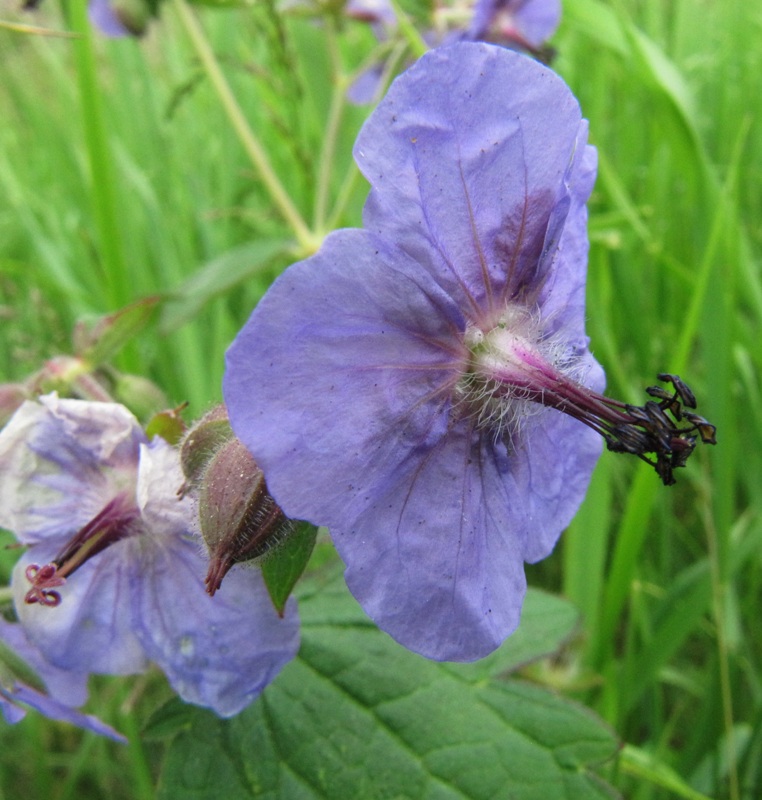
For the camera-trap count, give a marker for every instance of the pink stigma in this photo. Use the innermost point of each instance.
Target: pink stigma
(43, 579)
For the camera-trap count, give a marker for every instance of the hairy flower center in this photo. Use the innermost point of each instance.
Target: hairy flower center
(513, 369)
(114, 522)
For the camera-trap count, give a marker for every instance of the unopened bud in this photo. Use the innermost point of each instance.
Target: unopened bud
(239, 519)
(141, 395)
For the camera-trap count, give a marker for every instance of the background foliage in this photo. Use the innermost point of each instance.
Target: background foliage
(120, 178)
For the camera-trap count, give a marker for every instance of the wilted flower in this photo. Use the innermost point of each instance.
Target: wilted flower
(81, 485)
(27, 679)
(403, 386)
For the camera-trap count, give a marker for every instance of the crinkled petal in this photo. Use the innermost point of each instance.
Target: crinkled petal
(357, 335)
(552, 458)
(61, 461)
(160, 478)
(91, 630)
(471, 202)
(436, 559)
(219, 651)
(562, 298)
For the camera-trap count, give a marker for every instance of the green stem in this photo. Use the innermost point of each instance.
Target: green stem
(353, 173)
(409, 31)
(328, 153)
(253, 147)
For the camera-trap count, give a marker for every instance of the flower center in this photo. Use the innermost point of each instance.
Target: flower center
(113, 523)
(513, 370)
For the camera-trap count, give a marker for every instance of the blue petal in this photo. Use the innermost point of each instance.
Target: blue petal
(55, 710)
(343, 372)
(92, 629)
(471, 202)
(219, 651)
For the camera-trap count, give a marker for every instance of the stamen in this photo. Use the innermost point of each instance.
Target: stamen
(510, 369)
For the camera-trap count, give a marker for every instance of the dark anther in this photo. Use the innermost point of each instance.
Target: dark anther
(706, 430)
(653, 428)
(682, 389)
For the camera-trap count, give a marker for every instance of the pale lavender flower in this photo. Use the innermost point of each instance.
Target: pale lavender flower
(114, 577)
(28, 680)
(103, 16)
(404, 386)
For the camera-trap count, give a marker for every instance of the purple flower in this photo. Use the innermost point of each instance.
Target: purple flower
(355, 383)
(521, 24)
(114, 577)
(103, 16)
(404, 385)
(27, 679)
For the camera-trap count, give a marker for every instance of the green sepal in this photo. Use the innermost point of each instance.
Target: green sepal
(284, 567)
(167, 424)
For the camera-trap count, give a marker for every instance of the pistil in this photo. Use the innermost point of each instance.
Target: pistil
(112, 524)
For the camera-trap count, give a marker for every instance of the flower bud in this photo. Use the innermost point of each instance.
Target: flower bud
(141, 395)
(239, 520)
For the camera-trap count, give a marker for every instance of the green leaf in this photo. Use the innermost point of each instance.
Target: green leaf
(646, 766)
(358, 716)
(284, 567)
(220, 275)
(168, 720)
(99, 340)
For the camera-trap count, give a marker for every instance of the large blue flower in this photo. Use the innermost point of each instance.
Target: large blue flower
(113, 576)
(404, 386)
(353, 383)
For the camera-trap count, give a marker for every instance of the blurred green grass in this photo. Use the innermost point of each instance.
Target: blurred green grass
(668, 580)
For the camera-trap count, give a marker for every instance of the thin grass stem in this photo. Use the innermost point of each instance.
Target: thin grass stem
(253, 147)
